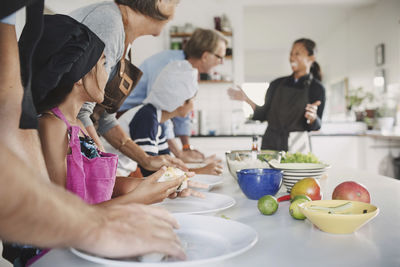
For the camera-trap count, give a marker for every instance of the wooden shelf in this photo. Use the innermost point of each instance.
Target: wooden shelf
(214, 81)
(183, 34)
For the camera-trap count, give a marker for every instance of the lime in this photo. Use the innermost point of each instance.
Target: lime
(267, 205)
(300, 197)
(294, 209)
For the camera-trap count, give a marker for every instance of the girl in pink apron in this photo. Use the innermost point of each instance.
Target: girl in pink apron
(71, 72)
(68, 59)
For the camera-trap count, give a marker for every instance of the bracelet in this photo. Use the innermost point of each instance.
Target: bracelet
(187, 147)
(124, 143)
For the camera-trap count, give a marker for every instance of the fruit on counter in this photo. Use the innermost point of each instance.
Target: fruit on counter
(351, 190)
(294, 209)
(300, 197)
(299, 158)
(267, 205)
(307, 186)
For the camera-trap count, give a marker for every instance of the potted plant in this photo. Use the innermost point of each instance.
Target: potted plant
(355, 100)
(385, 114)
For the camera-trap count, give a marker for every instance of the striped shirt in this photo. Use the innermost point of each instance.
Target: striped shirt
(147, 132)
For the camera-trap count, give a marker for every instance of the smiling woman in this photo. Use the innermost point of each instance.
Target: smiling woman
(293, 103)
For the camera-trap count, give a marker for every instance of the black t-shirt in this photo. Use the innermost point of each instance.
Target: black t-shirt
(316, 92)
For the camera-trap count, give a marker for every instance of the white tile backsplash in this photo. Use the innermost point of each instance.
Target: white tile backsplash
(222, 114)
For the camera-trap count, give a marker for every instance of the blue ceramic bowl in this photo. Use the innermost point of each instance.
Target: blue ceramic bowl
(256, 183)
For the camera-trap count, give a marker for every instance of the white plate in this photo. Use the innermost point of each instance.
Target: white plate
(210, 180)
(298, 178)
(193, 205)
(305, 173)
(206, 239)
(289, 182)
(298, 167)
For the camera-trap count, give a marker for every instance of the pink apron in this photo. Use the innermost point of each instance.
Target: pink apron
(91, 179)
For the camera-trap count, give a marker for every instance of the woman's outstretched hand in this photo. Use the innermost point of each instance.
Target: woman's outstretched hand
(237, 93)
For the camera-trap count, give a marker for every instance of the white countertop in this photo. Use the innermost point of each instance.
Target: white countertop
(284, 241)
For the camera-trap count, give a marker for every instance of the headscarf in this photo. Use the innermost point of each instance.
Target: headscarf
(66, 52)
(175, 84)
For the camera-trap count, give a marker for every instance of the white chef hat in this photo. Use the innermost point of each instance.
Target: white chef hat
(175, 84)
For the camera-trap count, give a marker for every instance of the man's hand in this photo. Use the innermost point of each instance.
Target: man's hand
(192, 156)
(311, 112)
(214, 168)
(132, 230)
(154, 163)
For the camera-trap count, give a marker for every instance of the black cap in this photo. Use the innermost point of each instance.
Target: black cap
(66, 52)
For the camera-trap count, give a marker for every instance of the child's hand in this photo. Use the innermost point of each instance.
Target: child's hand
(151, 191)
(190, 192)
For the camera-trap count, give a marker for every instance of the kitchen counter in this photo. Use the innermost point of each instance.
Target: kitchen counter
(284, 241)
(386, 136)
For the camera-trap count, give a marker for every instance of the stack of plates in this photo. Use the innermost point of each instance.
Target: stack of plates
(294, 172)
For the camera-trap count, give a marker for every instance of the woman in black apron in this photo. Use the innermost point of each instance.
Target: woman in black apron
(292, 103)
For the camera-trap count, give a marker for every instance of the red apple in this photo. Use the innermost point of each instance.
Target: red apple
(351, 190)
(307, 186)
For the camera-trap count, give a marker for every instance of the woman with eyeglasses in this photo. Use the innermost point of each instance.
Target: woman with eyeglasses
(293, 103)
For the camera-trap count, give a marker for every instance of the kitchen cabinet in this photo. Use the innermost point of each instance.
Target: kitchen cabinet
(339, 150)
(373, 153)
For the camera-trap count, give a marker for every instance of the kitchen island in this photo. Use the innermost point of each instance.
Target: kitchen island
(284, 241)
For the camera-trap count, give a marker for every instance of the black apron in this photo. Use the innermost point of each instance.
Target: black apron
(286, 115)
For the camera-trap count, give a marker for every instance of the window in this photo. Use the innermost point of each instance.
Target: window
(256, 92)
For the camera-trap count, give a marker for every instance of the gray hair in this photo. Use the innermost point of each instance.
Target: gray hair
(203, 40)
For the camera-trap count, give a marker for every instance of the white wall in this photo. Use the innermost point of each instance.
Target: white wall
(352, 45)
(271, 30)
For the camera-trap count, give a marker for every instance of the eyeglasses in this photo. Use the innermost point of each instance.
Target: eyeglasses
(218, 56)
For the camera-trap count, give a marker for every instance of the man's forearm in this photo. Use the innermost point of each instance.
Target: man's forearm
(120, 140)
(184, 139)
(54, 216)
(173, 147)
(11, 88)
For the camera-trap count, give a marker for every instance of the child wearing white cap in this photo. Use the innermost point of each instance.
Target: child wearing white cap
(171, 96)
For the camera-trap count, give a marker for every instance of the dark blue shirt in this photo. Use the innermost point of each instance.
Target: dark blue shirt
(148, 133)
